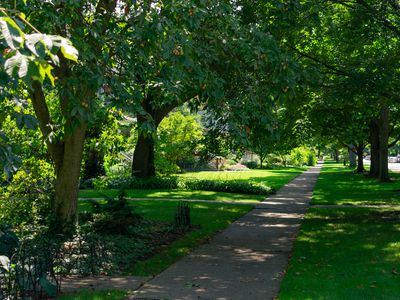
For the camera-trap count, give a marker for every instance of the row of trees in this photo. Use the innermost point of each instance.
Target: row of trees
(272, 75)
(352, 49)
(143, 57)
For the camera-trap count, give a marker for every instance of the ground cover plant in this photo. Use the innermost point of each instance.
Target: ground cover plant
(101, 295)
(201, 214)
(175, 182)
(339, 185)
(348, 253)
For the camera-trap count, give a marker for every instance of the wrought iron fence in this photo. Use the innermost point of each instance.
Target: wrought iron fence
(36, 269)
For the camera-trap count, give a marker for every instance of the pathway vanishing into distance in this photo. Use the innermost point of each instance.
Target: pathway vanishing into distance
(245, 261)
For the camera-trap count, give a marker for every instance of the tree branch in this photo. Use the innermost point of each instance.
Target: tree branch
(326, 65)
(392, 144)
(43, 116)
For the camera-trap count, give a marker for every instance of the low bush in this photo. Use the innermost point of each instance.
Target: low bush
(28, 197)
(165, 166)
(231, 186)
(251, 164)
(302, 156)
(114, 217)
(312, 159)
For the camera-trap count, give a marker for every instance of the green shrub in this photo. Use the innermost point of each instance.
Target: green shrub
(115, 216)
(244, 187)
(230, 186)
(27, 199)
(251, 164)
(8, 241)
(302, 156)
(165, 166)
(312, 159)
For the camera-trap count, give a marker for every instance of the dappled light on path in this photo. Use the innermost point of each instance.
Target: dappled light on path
(245, 261)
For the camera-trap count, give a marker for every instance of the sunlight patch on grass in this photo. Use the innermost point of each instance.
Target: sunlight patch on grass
(174, 194)
(339, 185)
(275, 178)
(345, 254)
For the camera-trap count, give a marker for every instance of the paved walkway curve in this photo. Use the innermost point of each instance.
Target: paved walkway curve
(245, 261)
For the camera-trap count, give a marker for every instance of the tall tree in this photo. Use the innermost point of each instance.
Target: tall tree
(31, 58)
(201, 53)
(64, 114)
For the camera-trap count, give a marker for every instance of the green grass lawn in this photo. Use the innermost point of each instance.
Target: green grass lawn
(345, 254)
(275, 178)
(339, 185)
(174, 194)
(212, 217)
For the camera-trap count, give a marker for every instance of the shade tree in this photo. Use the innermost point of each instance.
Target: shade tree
(356, 53)
(200, 53)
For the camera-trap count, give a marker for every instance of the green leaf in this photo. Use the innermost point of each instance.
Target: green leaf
(11, 33)
(37, 44)
(17, 65)
(46, 69)
(68, 50)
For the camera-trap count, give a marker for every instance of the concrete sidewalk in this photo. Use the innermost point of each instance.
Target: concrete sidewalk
(245, 261)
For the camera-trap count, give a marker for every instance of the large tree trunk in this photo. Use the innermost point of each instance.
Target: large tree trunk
(352, 157)
(67, 158)
(143, 156)
(67, 180)
(374, 141)
(336, 155)
(383, 144)
(360, 159)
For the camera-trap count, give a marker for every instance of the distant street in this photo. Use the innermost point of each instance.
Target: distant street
(395, 167)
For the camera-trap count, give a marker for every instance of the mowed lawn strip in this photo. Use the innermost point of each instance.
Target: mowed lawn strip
(275, 178)
(339, 185)
(174, 194)
(211, 218)
(348, 253)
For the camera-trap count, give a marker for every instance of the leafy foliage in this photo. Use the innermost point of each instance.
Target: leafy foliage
(249, 187)
(302, 156)
(31, 56)
(8, 241)
(232, 186)
(178, 141)
(26, 200)
(113, 217)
